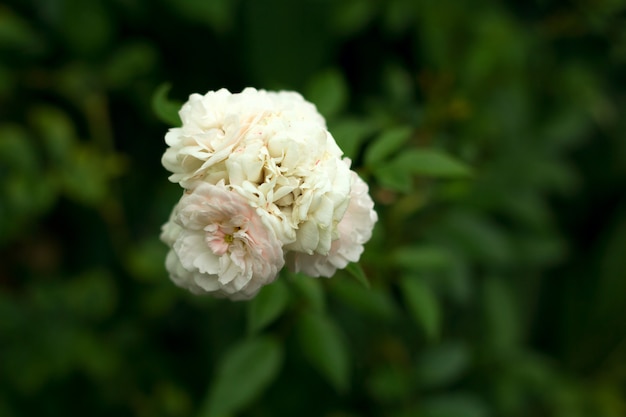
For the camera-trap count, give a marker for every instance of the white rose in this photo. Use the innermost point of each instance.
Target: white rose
(324, 197)
(219, 244)
(263, 178)
(213, 125)
(355, 229)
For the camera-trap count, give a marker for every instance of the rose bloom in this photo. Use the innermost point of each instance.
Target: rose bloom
(321, 204)
(213, 125)
(219, 244)
(264, 181)
(354, 229)
(273, 148)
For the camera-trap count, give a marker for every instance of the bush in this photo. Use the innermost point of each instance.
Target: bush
(490, 133)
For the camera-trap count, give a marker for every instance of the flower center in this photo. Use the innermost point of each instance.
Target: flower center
(220, 238)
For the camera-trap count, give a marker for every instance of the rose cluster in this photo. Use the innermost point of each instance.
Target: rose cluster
(264, 186)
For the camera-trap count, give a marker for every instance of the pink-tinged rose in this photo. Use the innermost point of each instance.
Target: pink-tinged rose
(355, 229)
(219, 244)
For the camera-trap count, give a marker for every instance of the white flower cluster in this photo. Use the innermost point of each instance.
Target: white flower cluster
(264, 185)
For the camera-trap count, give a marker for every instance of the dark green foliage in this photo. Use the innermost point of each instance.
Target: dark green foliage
(491, 134)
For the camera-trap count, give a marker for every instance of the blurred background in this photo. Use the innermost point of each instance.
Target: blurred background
(492, 135)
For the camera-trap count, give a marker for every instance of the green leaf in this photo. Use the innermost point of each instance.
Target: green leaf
(217, 14)
(56, 131)
(5, 407)
(350, 133)
(323, 345)
(245, 371)
(397, 173)
(358, 273)
(310, 289)
(389, 383)
(479, 236)
(422, 257)
(87, 173)
(394, 177)
(432, 163)
(92, 295)
(386, 144)
(453, 405)
(144, 260)
(166, 109)
(399, 84)
(129, 63)
(502, 319)
(85, 27)
(351, 16)
(17, 152)
(8, 82)
(442, 365)
(329, 92)
(423, 305)
(17, 34)
(267, 305)
(375, 303)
